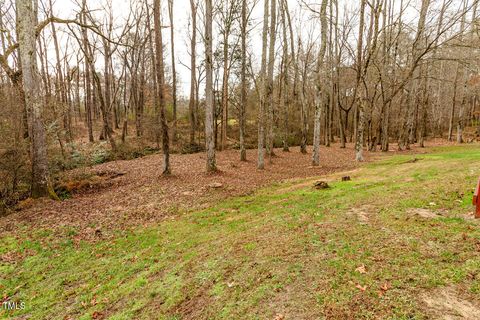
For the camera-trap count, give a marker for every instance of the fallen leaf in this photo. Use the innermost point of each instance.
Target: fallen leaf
(359, 287)
(386, 286)
(215, 185)
(279, 317)
(361, 269)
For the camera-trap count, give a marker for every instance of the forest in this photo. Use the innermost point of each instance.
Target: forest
(374, 75)
(239, 159)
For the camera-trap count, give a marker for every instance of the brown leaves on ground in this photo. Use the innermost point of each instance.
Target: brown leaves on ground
(361, 269)
(360, 287)
(141, 195)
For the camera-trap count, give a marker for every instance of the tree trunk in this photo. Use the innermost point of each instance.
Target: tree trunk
(360, 131)
(269, 89)
(243, 94)
(174, 73)
(261, 109)
(285, 98)
(161, 87)
(319, 82)
(454, 101)
(209, 103)
(88, 83)
(31, 87)
(359, 113)
(193, 76)
(223, 137)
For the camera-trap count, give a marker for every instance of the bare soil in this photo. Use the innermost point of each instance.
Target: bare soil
(448, 304)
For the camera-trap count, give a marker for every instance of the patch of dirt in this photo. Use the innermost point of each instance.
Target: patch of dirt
(192, 308)
(424, 213)
(297, 184)
(138, 195)
(284, 307)
(448, 304)
(362, 213)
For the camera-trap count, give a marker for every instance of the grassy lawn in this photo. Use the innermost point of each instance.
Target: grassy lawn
(357, 250)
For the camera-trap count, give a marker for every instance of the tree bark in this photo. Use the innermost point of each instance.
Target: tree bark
(285, 98)
(262, 93)
(174, 73)
(161, 88)
(209, 103)
(319, 84)
(269, 89)
(359, 125)
(31, 88)
(88, 83)
(243, 93)
(193, 76)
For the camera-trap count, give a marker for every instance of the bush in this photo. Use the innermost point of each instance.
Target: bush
(192, 148)
(101, 154)
(14, 176)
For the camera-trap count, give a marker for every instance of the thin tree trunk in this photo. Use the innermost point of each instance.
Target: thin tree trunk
(269, 89)
(193, 77)
(286, 84)
(154, 78)
(454, 102)
(359, 117)
(209, 103)
(223, 136)
(88, 84)
(174, 73)
(261, 109)
(243, 94)
(319, 82)
(161, 87)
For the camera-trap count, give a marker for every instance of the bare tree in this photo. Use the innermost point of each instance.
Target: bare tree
(262, 93)
(161, 87)
(28, 54)
(209, 104)
(269, 82)
(174, 72)
(320, 84)
(193, 70)
(243, 93)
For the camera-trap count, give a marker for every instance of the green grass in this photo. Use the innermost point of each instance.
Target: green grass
(285, 249)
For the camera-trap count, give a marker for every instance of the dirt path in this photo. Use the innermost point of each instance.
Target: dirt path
(134, 193)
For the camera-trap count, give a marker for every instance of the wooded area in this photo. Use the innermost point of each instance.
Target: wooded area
(373, 74)
(239, 159)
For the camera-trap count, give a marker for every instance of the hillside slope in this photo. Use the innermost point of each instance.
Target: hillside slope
(397, 241)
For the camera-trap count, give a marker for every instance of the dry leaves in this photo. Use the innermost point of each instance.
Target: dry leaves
(360, 287)
(140, 195)
(361, 269)
(137, 194)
